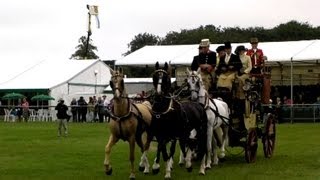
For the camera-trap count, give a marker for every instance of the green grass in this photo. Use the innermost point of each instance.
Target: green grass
(33, 151)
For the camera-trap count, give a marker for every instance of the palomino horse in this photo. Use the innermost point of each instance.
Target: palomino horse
(217, 114)
(128, 121)
(174, 120)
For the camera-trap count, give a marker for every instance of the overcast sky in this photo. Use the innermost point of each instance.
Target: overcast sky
(49, 29)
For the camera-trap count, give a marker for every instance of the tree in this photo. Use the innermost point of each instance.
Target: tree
(81, 50)
(141, 40)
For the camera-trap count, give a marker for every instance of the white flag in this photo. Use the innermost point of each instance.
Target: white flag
(93, 10)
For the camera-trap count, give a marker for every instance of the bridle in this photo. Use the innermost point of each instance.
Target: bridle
(116, 85)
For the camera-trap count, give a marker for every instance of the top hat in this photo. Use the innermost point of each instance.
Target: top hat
(220, 48)
(241, 48)
(254, 40)
(204, 43)
(227, 45)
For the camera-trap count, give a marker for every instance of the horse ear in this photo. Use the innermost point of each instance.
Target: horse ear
(188, 71)
(169, 70)
(112, 71)
(166, 66)
(199, 70)
(111, 84)
(157, 65)
(122, 83)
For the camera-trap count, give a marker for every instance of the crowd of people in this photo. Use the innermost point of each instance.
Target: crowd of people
(93, 110)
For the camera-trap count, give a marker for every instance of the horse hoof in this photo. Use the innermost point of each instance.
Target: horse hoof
(222, 159)
(141, 168)
(181, 164)
(155, 171)
(189, 169)
(132, 177)
(201, 173)
(208, 167)
(109, 172)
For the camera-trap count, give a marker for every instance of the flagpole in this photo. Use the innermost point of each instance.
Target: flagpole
(89, 33)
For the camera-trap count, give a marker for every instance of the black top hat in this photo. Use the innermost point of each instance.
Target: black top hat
(239, 48)
(227, 45)
(220, 48)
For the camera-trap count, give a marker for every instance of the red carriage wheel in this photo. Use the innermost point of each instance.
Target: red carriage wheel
(269, 136)
(251, 146)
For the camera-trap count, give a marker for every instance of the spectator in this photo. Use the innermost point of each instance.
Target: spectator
(74, 109)
(95, 114)
(287, 101)
(62, 117)
(82, 110)
(91, 109)
(106, 105)
(25, 109)
(279, 109)
(100, 109)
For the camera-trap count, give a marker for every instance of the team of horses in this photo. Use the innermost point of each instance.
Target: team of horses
(168, 120)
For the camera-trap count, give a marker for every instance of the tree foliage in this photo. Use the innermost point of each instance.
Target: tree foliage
(141, 40)
(290, 31)
(80, 52)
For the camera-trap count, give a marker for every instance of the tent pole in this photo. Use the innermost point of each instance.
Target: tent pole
(291, 89)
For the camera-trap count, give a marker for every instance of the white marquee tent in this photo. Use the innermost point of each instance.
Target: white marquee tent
(61, 79)
(277, 52)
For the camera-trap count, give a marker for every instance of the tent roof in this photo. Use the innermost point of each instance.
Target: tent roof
(183, 54)
(42, 74)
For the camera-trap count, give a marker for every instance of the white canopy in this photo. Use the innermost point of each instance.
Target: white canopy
(40, 75)
(305, 50)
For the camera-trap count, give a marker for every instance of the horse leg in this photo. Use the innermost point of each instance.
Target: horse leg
(181, 158)
(112, 140)
(168, 160)
(172, 151)
(131, 157)
(183, 153)
(209, 145)
(156, 165)
(215, 151)
(203, 165)
(224, 141)
(144, 158)
(188, 160)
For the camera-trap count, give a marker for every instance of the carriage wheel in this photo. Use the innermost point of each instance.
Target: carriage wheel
(251, 146)
(269, 136)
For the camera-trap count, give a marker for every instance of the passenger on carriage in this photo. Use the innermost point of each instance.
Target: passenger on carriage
(242, 76)
(206, 60)
(244, 72)
(256, 56)
(229, 64)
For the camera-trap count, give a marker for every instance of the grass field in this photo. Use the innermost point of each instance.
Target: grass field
(33, 151)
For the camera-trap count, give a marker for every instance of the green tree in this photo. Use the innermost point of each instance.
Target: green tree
(141, 40)
(81, 50)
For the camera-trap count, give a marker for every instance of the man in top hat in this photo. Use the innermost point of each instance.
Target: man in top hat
(221, 52)
(256, 56)
(229, 62)
(206, 61)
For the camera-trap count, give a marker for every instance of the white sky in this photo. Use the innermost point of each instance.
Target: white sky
(49, 29)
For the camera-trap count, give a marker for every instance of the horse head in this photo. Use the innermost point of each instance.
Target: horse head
(162, 79)
(195, 83)
(117, 83)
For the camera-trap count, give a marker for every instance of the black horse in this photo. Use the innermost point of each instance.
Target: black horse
(173, 120)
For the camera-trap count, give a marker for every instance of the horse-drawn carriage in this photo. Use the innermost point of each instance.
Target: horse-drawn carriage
(251, 115)
(169, 119)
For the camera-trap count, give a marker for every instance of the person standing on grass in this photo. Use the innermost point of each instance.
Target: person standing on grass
(62, 117)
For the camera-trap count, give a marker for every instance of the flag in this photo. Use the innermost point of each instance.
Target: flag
(94, 10)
